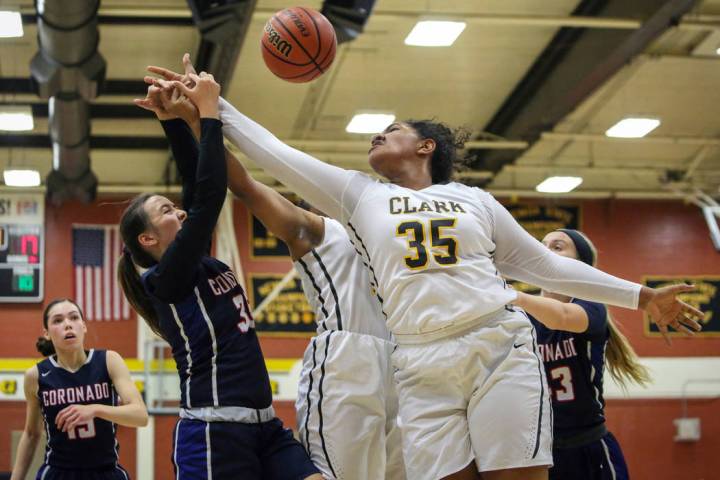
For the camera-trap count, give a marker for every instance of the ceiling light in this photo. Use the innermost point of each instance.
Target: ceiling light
(16, 119)
(559, 184)
(21, 178)
(633, 127)
(434, 34)
(717, 51)
(369, 122)
(10, 24)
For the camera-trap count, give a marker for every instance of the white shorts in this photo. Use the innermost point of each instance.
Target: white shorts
(347, 407)
(480, 395)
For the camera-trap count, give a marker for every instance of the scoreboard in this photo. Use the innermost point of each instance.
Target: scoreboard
(22, 247)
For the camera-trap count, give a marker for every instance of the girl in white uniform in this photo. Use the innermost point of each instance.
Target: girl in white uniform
(471, 384)
(347, 402)
(470, 381)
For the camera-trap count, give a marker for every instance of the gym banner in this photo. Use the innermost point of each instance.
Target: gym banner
(706, 297)
(264, 244)
(539, 220)
(289, 314)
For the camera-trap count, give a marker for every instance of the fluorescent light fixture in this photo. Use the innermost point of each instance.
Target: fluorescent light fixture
(559, 184)
(16, 119)
(369, 122)
(21, 178)
(10, 24)
(428, 33)
(633, 127)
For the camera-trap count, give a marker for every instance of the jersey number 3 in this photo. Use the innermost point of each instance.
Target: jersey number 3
(444, 248)
(566, 392)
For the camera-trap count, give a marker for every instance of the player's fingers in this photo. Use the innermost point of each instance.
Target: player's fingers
(180, 86)
(690, 310)
(189, 68)
(164, 72)
(690, 322)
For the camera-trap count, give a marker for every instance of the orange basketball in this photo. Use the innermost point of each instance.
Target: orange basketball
(298, 44)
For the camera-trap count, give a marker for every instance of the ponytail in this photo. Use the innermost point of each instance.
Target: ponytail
(45, 347)
(133, 222)
(135, 293)
(622, 361)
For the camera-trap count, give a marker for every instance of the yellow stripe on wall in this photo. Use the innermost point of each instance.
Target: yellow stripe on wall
(135, 365)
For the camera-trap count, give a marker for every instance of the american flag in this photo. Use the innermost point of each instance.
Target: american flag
(96, 249)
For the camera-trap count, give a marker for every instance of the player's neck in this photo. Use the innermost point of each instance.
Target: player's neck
(414, 179)
(71, 360)
(557, 296)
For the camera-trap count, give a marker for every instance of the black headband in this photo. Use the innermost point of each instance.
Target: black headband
(584, 250)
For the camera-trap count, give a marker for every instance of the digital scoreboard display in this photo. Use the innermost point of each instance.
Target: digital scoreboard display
(21, 247)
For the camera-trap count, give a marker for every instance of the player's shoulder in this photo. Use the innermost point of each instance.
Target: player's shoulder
(33, 373)
(592, 308)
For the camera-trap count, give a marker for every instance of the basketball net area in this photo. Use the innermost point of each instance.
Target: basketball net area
(712, 214)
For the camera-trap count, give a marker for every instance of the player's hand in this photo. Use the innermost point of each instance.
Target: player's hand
(153, 102)
(171, 76)
(666, 310)
(204, 94)
(74, 415)
(179, 105)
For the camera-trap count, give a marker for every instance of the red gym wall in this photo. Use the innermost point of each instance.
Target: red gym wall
(634, 238)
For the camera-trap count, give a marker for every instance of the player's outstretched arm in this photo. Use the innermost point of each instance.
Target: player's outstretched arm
(132, 412)
(554, 314)
(33, 428)
(330, 189)
(299, 229)
(518, 255)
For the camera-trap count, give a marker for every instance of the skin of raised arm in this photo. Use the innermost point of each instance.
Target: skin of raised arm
(554, 314)
(299, 229)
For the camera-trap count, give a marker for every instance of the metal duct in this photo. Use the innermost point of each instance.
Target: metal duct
(68, 71)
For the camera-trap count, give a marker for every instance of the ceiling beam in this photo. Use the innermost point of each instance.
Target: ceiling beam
(181, 16)
(573, 65)
(599, 138)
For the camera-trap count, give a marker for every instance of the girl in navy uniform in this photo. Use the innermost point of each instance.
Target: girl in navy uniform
(227, 426)
(575, 338)
(73, 396)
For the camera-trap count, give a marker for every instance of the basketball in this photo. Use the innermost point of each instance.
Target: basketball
(298, 44)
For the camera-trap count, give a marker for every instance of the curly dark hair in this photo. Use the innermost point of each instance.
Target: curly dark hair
(448, 141)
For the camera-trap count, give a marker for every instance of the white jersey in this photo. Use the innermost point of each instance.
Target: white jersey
(338, 288)
(431, 253)
(436, 254)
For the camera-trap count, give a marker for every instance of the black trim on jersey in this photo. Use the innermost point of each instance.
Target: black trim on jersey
(307, 398)
(322, 377)
(332, 288)
(317, 289)
(369, 266)
(542, 389)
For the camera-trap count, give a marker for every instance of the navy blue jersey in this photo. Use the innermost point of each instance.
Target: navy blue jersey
(574, 364)
(88, 446)
(213, 340)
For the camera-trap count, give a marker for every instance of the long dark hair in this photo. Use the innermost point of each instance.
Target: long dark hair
(133, 222)
(447, 143)
(44, 345)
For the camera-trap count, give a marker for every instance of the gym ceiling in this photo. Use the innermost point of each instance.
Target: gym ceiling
(537, 83)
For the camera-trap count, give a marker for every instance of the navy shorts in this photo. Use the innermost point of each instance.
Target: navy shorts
(223, 450)
(48, 472)
(599, 460)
